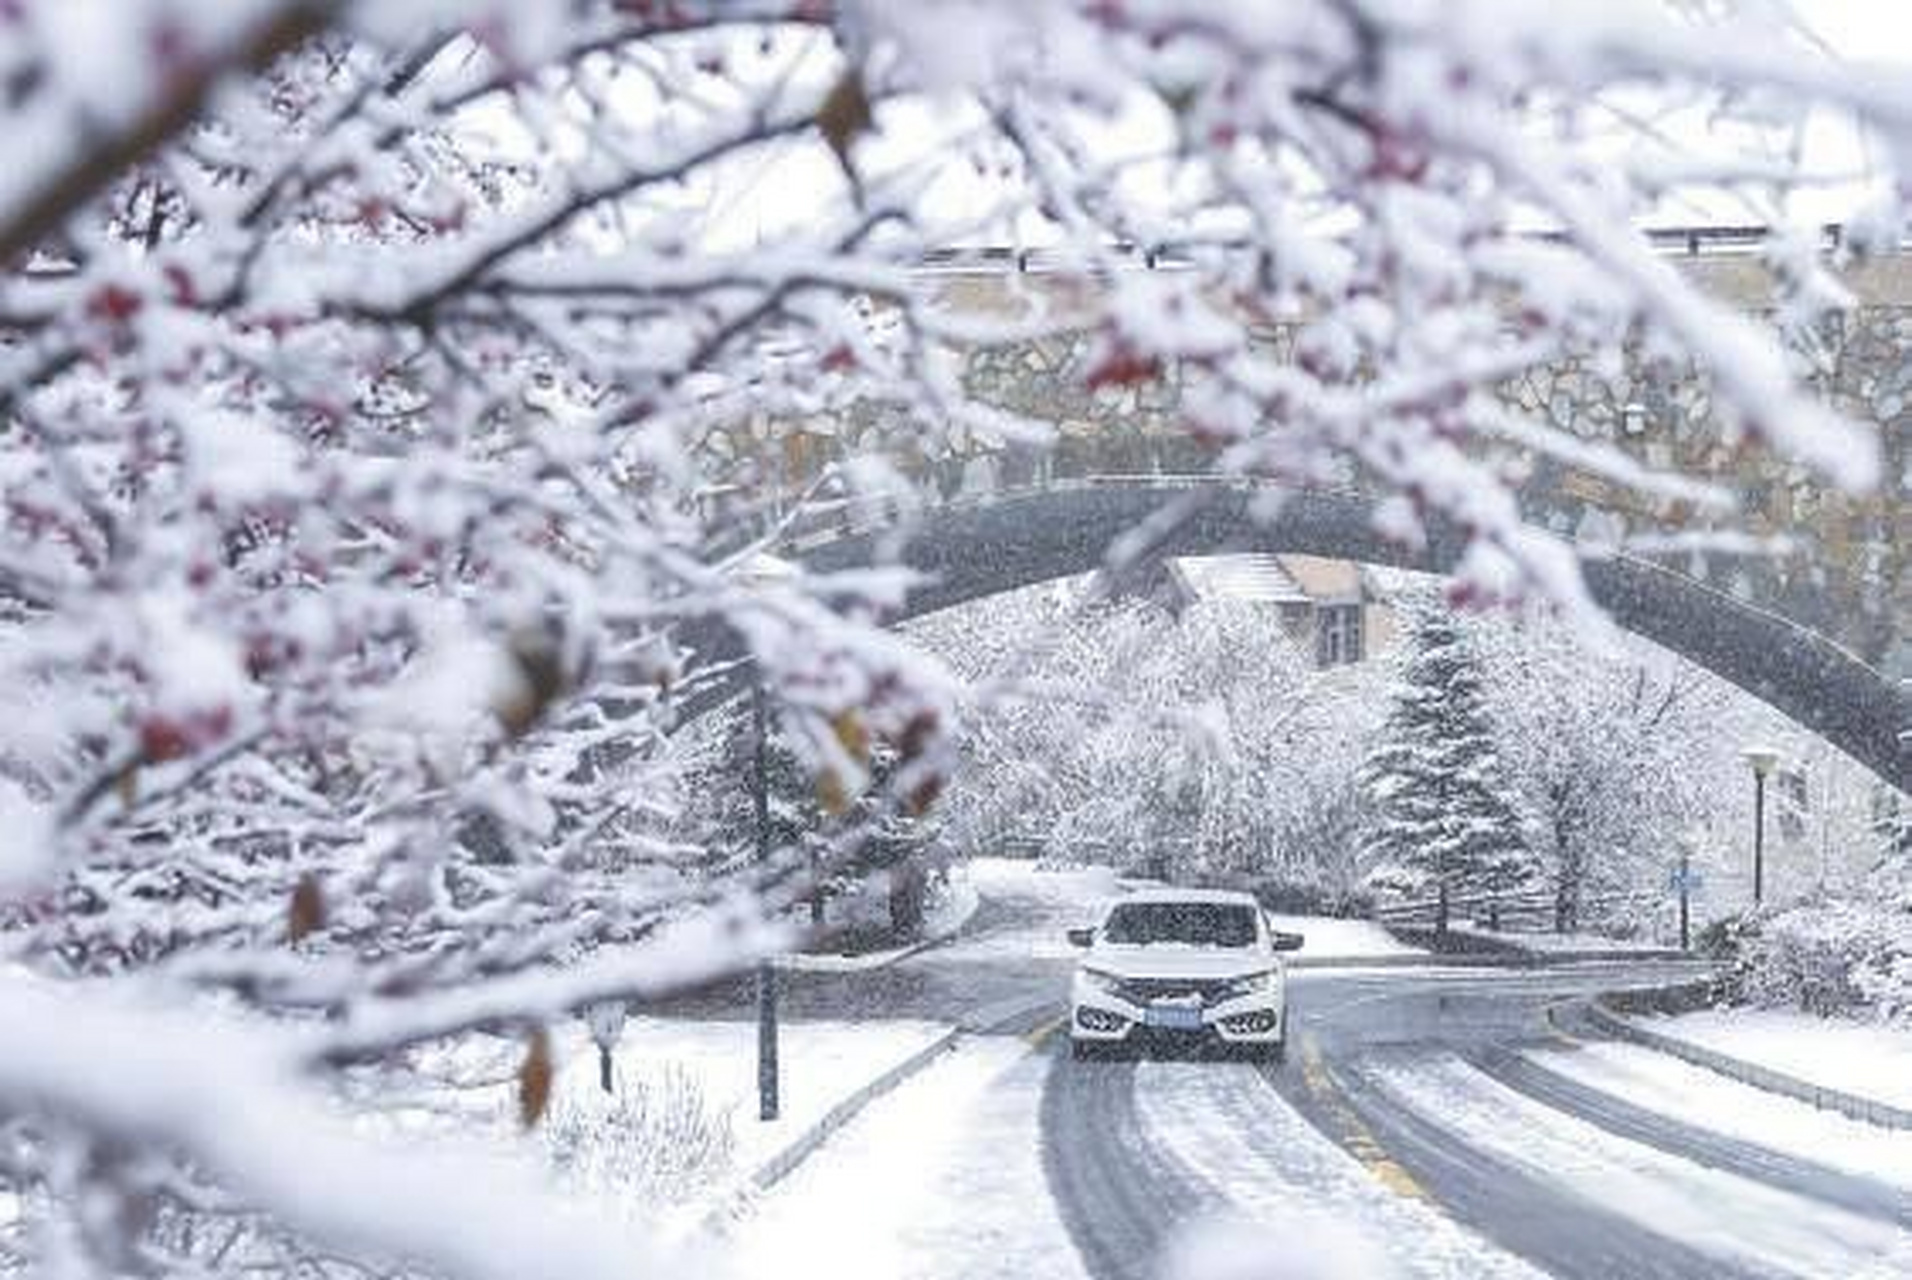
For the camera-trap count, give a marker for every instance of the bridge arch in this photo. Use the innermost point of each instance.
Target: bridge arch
(968, 550)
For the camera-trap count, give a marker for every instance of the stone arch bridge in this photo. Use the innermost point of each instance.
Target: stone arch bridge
(970, 549)
(1820, 634)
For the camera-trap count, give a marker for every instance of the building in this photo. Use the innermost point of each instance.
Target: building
(1333, 609)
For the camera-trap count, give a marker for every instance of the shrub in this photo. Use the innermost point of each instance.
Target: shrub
(656, 1140)
(1827, 958)
(1307, 898)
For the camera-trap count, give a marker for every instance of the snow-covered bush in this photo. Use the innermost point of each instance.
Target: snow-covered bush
(655, 1141)
(1202, 746)
(1830, 958)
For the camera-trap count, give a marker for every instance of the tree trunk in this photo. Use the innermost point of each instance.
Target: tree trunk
(908, 887)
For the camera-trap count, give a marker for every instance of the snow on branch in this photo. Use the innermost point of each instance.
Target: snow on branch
(223, 1098)
(401, 406)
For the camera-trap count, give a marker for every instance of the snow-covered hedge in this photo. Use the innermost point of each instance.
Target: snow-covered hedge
(1838, 957)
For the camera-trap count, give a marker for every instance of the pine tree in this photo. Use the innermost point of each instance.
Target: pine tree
(1443, 811)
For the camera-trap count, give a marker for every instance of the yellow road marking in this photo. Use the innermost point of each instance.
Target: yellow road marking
(1359, 1141)
(1040, 1036)
(1558, 1032)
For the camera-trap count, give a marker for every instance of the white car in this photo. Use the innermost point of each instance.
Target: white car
(1183, 965)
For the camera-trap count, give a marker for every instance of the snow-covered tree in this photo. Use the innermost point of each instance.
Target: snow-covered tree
(394, 398)
(1445, 815)
(1605, 745)
(1198, 744)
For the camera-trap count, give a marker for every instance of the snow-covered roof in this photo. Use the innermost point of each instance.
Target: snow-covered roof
(1251, 577)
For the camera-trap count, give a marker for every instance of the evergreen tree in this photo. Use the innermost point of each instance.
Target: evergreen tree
(724, 815)
(1443, 810)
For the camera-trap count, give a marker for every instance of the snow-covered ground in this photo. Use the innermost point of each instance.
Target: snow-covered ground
(946, 916)
(1868, 1060)
(1748, 1223)
(942, 1178)
(1331, 939)
(1550, 942)
(1229, 1128)
(823, 1063)
(1700, 1097)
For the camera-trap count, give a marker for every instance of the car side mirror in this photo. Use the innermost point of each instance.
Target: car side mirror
(1082, 937)
(1286, 941)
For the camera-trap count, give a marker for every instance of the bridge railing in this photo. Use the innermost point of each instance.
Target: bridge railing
(1677, 240)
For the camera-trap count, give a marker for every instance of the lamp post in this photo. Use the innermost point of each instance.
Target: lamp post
(766, 970)
(759, 571)
(1763, 760)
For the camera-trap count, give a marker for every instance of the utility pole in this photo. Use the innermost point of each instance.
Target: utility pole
(766, 971)
(762, 572)
(1686, 873)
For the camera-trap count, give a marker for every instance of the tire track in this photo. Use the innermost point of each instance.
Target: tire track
(1567, 1235)
(1120, 1196)
(1689, 1142)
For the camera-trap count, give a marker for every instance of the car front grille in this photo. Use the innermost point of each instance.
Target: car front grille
(1146, 990)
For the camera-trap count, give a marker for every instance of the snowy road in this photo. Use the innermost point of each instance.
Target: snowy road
(1439, 1115)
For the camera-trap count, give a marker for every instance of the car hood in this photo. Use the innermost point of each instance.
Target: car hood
(1177, 962)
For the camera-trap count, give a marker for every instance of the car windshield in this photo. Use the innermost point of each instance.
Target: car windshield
(1195, 924)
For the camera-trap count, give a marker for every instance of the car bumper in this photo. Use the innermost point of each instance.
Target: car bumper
(1100, 1018)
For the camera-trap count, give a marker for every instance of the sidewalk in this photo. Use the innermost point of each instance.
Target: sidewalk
(1859, 1070)
(830, 1071)
(691, 1082)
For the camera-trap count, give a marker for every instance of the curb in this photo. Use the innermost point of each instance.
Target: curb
(884, 959)
(1851, 1105)
(786, 1161)
(876, 961)
(779, 1166)
(1475, 947)
(1485, 960)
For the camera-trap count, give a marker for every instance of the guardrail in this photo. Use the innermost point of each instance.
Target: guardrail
(1853, 1106)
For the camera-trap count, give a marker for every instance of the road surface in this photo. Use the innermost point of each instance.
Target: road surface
(1456, 1120)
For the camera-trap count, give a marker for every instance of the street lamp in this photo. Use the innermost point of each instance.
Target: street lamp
(758, 571)
(1763, 760)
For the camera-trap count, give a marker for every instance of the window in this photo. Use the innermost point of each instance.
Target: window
(1193, 924)
(1337, 634)
(1795, 803)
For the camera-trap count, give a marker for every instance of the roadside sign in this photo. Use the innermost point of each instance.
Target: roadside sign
(1685, 879)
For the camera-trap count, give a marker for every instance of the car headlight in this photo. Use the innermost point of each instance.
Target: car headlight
(1107, 983)
(1255, 984)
